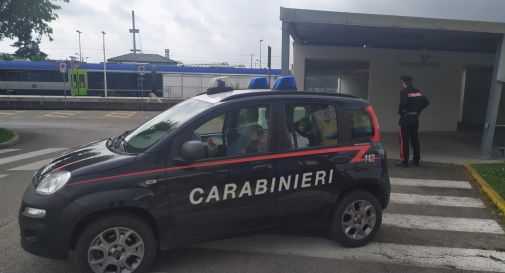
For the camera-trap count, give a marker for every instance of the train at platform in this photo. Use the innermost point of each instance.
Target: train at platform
(123, 80)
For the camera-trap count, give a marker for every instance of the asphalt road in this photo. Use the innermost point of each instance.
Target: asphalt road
(430, 226)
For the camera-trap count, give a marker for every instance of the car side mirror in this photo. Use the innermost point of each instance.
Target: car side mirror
(193, 150)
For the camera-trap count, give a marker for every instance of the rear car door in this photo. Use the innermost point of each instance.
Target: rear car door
(229, 190)
(308, 180)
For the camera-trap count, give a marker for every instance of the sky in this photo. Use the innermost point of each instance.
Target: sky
(208, 31)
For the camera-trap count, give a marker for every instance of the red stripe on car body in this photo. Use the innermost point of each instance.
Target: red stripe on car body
(361, 150)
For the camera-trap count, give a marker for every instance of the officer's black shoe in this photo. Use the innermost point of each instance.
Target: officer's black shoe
(402, 164)
(415, 163)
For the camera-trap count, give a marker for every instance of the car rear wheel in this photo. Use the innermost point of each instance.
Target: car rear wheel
(356, 220)
(115, 243)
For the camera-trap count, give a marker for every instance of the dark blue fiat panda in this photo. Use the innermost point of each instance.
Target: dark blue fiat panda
(223, 163)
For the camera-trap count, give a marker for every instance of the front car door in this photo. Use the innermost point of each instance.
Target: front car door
(229, 190)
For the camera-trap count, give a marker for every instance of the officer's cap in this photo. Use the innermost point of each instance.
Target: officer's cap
(406, 78)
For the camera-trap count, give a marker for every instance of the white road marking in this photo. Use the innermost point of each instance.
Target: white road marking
(436, 200)
(14, 158)
(422, 256)
(3, 175)
(32, 166)
(4, 151)
(430, 183)
(442, 223)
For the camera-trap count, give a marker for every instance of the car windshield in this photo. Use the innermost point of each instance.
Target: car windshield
(155, 129)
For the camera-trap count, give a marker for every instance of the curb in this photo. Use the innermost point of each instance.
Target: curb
(495, 198)
(15, 140)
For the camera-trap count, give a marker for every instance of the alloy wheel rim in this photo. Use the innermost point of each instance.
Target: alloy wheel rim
(116, 250)
(359, 219)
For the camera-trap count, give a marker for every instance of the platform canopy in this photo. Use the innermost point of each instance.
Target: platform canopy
(344, 29)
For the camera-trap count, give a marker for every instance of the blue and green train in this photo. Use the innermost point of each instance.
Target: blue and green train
(87, 79)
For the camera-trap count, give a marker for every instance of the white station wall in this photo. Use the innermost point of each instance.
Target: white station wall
(177, 85)
(440, 78)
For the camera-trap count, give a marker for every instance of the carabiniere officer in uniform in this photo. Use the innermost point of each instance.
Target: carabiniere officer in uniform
(412, 103)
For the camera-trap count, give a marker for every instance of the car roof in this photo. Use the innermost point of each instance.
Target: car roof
(218, 97)
(248, 93)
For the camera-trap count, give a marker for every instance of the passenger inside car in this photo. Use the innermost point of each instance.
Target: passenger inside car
(311, 125)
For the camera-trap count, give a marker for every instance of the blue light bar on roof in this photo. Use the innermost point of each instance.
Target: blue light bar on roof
(259, 83)
(287, 83)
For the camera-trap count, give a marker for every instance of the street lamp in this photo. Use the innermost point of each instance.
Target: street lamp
(261, 41)
(104, 66)
(80, 52)
(252, 55)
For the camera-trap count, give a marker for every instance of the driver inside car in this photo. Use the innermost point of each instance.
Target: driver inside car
(248, 142)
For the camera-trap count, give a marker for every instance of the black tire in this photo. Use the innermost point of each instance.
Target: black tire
(337, 231)
(107, 222)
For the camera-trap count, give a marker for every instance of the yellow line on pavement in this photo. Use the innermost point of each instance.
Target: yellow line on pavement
(10, 113)
(490, 192)
(61, 114)
(67, 112)
(120, 114)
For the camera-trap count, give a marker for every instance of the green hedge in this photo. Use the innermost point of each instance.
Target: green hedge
(5, 135)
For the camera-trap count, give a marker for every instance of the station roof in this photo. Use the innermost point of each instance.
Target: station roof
(329, 28)
(142, 58)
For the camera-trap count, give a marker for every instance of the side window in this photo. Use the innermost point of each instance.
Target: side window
(361, 125)
(211, 133)
(311, 125)
(238, 132)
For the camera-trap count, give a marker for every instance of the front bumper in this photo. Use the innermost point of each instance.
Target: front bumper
(41, 239)
(47, 237)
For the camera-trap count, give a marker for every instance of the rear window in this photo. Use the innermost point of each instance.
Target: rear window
(361, 125)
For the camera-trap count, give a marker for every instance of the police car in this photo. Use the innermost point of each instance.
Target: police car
(223, 163)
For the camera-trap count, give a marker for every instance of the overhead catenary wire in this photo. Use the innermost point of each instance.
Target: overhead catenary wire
(174, 18)
(185, 56)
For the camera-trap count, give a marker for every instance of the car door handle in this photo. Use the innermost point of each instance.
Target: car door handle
(151, 181)
(340, 159)
(262, 168)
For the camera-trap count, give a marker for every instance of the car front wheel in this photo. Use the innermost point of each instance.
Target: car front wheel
(115, 243)
(356, 220)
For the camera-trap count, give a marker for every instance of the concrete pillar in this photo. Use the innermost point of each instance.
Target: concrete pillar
(285, 49)
(494, 100)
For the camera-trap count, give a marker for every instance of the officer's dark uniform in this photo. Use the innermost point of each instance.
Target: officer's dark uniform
(412, 102)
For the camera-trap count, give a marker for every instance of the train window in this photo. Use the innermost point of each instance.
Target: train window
(14, 75)
(31, 75)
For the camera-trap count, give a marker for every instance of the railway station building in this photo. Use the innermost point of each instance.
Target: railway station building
(458, 64)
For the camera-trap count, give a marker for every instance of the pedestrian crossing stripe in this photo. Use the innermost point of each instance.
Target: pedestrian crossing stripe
(32, 166)
(14, 158)
(121, 114)
(62, 114)
(3, 175)
(433, 183)
(442, 223)
(436, 200)
(397, 254)
(4, 151)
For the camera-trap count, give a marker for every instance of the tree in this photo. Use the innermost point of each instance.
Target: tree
(29, 50)
(7, 57)
(28, 22)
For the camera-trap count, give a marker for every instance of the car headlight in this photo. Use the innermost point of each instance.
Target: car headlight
(52, 182)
